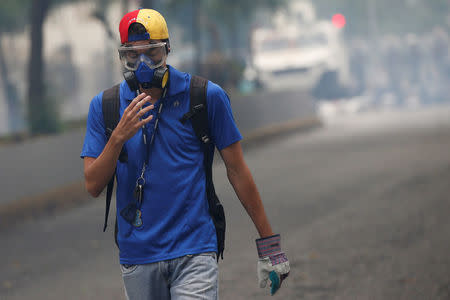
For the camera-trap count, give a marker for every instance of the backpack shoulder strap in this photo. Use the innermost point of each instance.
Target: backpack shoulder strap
(198, 113)
(110, 109)
(111, 116)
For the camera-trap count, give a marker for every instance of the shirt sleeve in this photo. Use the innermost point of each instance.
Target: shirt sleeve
(223, 128)
(95, 139)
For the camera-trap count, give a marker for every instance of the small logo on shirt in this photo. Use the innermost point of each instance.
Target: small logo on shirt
(176, 104)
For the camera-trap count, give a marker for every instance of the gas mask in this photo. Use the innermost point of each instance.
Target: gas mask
(146, 62)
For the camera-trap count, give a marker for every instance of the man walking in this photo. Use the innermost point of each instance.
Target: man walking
(166, 235)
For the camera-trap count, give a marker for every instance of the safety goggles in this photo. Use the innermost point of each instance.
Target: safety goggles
(153, 55)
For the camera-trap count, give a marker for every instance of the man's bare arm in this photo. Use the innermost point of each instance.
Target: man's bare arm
(242, 181)
(98, 171)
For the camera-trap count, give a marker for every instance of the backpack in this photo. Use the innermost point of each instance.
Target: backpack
(198, 114)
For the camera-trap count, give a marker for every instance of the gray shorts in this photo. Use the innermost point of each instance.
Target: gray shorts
(186, 277)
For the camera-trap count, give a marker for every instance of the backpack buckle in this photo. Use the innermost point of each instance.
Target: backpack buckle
(205, 139)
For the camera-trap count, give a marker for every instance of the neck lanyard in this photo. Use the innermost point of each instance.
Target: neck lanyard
(148, 145)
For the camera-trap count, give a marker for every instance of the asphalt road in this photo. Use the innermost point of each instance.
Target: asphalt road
(362, 205)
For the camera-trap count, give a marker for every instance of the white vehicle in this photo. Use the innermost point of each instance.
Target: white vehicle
(298, 51)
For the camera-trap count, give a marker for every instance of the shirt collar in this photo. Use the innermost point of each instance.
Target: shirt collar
(178, 82)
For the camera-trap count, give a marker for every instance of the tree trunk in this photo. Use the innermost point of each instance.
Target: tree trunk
(12, 97)
(37, 107)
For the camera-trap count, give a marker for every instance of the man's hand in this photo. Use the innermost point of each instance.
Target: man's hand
(273, 263)
(98, 171)
(131, 121)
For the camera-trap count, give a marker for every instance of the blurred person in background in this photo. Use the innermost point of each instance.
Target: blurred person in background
(168, 247)
(391, 48)
(358, 57)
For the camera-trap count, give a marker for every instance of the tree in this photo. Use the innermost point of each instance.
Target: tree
(43, 115)
(11, 21)
(40, 113)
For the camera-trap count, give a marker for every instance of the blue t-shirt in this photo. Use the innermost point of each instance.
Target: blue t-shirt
(175, 213)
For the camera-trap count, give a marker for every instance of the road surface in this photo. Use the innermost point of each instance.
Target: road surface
(362, 205)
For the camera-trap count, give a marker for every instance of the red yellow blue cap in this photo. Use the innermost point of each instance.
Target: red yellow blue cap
(152, 20)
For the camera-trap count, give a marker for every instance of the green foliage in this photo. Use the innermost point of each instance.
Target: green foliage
(14, 15)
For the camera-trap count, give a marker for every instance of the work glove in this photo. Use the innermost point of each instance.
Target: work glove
(272, 264)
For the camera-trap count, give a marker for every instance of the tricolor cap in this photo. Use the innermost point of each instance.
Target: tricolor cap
(152, 20)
